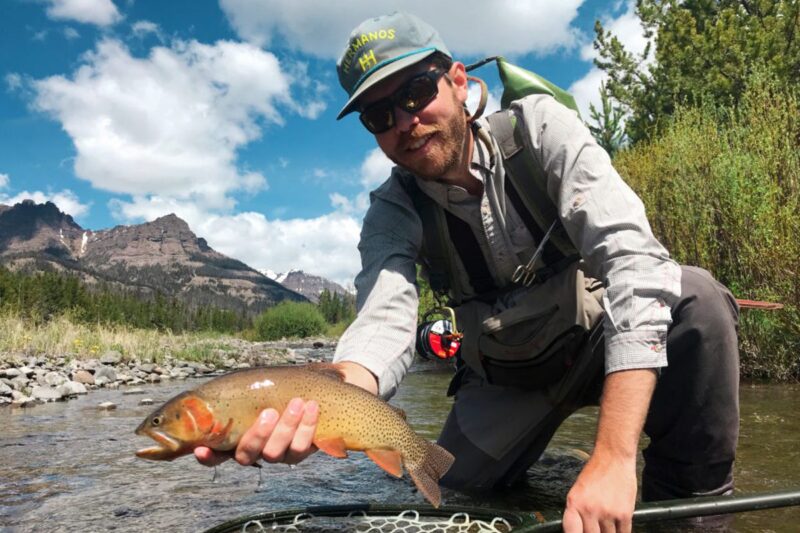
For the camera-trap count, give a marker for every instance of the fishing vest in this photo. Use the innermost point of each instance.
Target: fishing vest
(445, 236)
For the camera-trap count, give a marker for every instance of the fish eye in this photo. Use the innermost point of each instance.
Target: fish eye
(157, 420)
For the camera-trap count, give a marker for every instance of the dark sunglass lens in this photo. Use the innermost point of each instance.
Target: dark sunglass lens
(417, 94)
(378, 118)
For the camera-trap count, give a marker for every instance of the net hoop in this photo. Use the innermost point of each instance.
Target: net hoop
(423, 518)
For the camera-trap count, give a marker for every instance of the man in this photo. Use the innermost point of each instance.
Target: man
(669, 332)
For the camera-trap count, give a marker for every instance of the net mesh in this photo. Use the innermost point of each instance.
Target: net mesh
(409, 521)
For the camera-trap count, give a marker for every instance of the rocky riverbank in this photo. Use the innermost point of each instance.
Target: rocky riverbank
(27, 380)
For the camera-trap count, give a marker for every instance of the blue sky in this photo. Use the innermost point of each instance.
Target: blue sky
(223, 112)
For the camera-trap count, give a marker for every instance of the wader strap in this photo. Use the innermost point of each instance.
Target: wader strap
(526, 187)
(435, 249)
(470, 253)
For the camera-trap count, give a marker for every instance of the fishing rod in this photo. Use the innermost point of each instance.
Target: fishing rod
(693, 507)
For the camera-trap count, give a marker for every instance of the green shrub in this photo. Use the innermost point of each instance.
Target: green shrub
(289, 319)
(722, 191)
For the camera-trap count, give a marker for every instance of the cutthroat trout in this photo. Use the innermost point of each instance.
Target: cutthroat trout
(217, 413)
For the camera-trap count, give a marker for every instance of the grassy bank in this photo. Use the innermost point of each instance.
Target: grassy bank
(62, 336)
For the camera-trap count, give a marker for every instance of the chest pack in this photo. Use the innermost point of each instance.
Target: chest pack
(524, 338)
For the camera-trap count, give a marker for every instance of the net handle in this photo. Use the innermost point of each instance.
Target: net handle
(693, 507)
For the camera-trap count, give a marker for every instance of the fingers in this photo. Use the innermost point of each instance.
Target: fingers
(209, 457)
(303, 441)
(280, 438)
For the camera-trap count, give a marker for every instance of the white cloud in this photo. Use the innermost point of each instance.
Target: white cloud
(628, 29)
(3, 181)
(13, 81)
(66, 200)
(169, 124)
(325, 245)
(98, 12)
(321, 27)
(142, 28)
(71, 33)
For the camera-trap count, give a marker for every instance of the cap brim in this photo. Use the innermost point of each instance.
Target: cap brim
(380, 75)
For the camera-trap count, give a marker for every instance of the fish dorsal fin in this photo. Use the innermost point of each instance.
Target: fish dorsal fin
(333, 446)
(389, 460)
(326, 369)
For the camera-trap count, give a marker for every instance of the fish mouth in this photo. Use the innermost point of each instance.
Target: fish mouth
(168, 448)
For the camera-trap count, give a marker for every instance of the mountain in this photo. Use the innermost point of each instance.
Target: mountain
(160, 256)
(308, 285)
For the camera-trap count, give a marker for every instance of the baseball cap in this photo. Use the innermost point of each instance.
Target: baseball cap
(380, 47)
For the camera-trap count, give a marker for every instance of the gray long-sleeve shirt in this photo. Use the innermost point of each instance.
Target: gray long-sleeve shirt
(604, 218)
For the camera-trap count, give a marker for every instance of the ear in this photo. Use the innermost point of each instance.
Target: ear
(458, 75)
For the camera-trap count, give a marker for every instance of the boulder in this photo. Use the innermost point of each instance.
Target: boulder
(83, 376)
(72, 388)
(111, 357)
(105, 372)
(46, 394)
(54, 379)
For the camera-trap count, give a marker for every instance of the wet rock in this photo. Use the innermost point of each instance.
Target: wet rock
(318, 345)
(147, 367)
(54, 379)
(72, 388)
(146, 401)
(102, 381)
(20, 383)
(5, 390)
(111, 357)
(83, 376)
(107, 406)
(46, 394)
(105, 372)
(132, 391)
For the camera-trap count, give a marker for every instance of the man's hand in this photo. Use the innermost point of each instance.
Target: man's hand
(285, 437)
(604, 495)
(276, 438)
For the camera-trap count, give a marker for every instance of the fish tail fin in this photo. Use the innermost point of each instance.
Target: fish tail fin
(427, 472)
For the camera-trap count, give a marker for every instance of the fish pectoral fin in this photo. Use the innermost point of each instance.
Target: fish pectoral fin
(389, 460)
(219, 433)
(333, 446)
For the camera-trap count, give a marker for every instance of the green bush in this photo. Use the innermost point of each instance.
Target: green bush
(722, 191)
(289, 319)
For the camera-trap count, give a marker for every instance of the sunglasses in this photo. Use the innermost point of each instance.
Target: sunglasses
(412, 97)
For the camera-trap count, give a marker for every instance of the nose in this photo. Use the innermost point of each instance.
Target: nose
(404, 120)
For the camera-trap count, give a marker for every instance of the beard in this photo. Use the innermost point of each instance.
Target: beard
(446, 151)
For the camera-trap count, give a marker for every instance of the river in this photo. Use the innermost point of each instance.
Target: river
(68, 466)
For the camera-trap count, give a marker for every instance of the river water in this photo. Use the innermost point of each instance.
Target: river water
(71, 467)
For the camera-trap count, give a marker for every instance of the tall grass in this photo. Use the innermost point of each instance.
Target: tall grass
(63, 336)
(722, 190)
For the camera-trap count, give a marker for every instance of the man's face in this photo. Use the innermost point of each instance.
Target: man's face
(431, 142)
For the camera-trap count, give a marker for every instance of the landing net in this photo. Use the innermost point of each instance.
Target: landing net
(406, 522)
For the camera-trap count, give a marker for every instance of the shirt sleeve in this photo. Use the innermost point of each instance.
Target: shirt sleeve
(606, 221)
(382, 336)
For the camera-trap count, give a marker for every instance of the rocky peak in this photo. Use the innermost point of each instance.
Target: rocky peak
(308, 285)
(30, 226)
